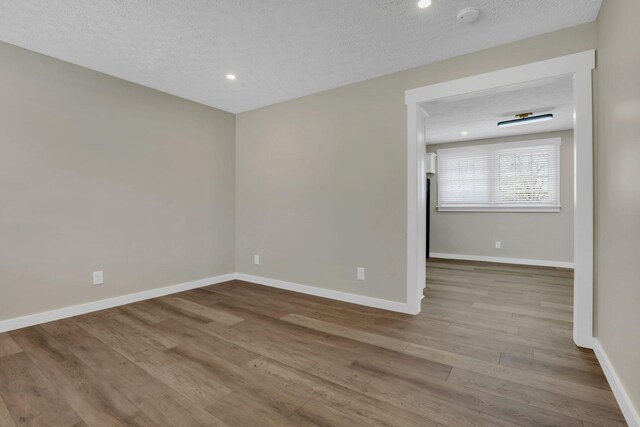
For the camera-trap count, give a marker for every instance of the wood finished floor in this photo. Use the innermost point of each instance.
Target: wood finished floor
(492, 347)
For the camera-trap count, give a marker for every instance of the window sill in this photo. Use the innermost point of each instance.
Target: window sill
(548, 209)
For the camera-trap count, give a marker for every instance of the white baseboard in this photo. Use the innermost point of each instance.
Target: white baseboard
(61, 313)
(384, 304)
(631, 414)
(76, 310)
(537, 262)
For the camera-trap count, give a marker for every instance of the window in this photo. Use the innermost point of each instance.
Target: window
(518, 176)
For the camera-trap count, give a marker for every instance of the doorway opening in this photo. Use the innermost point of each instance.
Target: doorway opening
(574, 70)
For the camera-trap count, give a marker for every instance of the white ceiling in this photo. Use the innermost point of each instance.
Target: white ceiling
(479, 113)
(279, 49)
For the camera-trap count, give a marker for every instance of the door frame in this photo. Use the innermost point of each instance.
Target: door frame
(580, 66)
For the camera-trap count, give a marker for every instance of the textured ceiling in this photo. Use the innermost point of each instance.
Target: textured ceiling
(279, 49)
(479, 113)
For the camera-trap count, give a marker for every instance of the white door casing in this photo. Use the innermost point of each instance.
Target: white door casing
(580, 66)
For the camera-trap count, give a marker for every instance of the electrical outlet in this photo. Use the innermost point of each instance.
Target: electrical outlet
(256, 259)
(98, 278)
(360, 273)
(498, 244)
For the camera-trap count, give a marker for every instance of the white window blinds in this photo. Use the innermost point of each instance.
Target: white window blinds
(518, 176)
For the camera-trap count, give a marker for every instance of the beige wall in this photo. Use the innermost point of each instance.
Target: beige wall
(524, 235)
(100, 174)
(617, 212)
(321, 180)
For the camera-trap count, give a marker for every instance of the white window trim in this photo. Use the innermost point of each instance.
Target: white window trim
(513, 207)
(499, 209)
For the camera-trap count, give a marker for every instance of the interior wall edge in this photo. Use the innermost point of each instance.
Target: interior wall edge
(630, 412)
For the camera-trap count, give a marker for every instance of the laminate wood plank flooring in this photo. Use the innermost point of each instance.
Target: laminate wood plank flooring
(492, 347)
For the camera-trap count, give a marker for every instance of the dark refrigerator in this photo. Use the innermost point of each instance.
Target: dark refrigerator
(428, 212)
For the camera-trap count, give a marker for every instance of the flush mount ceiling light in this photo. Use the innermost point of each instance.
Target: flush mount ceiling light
(524, 118)
(464, 133)
(231, 76)
(422, 4)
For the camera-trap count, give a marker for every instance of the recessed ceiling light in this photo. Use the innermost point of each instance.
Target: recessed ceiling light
(424, 3)
(464, 133)
(231, 76)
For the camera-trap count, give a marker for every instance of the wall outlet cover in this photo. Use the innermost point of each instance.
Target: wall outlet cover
(98, 278)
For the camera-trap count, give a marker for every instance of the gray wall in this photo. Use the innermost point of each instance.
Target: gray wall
(617, 212)
(524, 235)
(100, 174)
(321, 180)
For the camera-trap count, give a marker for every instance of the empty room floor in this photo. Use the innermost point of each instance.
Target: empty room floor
(491, 347)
